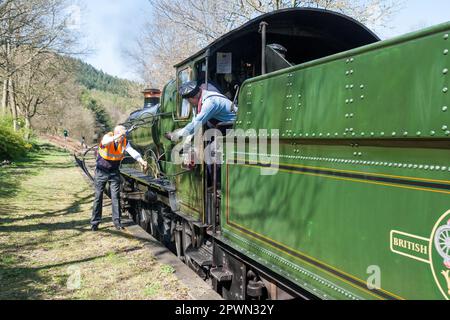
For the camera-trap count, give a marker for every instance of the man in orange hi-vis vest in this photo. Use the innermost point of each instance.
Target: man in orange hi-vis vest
(111, 152)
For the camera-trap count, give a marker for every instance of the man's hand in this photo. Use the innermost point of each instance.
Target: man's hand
(172, 136)
(133, 127)
(144, 165)
(120, 135)
(168, 136)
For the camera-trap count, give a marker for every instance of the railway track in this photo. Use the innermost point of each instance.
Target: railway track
(87, 164)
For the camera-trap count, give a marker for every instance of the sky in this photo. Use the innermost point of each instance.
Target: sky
(111, 27)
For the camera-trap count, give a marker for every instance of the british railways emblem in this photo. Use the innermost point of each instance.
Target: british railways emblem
(441, 254)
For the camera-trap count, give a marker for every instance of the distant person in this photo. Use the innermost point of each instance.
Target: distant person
(111, 152)
(66, 134)
(83, 143)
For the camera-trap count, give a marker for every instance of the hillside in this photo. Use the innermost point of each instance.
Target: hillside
(94, 79)
(108, 100)
(84, 101)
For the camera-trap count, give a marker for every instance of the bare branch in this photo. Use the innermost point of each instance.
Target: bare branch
(179, 28)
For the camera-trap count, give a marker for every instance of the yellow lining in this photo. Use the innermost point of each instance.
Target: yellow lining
(355, 180)
(359, 172)
(315, 266)
(189, 207)
(301, 253)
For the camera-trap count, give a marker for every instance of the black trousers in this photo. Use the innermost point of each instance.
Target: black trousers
(101, 178)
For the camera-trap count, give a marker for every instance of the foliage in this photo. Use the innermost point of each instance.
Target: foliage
(166, 269)
(102, 119)
(152, 290)
(64, 111)
(118, 107)
(92, 78)
(12, 145)
(86, 112)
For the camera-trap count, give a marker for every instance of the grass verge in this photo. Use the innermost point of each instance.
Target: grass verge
(47, 250)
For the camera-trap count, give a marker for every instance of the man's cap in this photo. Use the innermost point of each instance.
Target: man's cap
(189, 89)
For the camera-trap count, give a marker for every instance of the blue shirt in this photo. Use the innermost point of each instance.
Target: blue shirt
(214, 106)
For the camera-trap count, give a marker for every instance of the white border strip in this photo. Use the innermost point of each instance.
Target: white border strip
(405, 254)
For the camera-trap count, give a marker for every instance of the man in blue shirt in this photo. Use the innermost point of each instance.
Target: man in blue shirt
(212, 107)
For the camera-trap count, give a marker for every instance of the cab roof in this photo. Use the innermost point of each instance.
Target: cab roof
(308, 23)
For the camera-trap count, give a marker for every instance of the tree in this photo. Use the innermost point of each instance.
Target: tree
(103, 121)
(30, 29)
(178, 28)
(38, 82)
(156, 53)
(64, 110)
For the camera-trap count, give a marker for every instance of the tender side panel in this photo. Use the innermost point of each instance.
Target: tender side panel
(361, 168)
(336, 219)
(393, 91)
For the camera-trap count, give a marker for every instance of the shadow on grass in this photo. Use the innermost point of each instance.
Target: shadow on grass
(12, 176)
(11, 179)
(75, 207)
(7, 225)
(19, 279)
(22, 283)
(81, 226)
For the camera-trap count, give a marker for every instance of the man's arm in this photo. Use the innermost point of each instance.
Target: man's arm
(107, 139)
(136, 156)
(208, 111)
(132, 152)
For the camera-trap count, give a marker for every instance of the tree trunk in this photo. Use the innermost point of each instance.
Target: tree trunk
(27, 127)
(13, 105)
(5, 97)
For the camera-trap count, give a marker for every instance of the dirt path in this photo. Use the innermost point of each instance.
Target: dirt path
(47, 250)
(72, 145)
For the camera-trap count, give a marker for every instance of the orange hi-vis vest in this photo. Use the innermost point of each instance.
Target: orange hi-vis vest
(110, 152)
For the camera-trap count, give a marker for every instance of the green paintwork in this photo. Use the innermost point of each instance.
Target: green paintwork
(189, 185)
(319, 97)
(365, 164)
(337, 115)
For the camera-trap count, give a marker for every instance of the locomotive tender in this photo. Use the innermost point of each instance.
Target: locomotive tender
(359, 206)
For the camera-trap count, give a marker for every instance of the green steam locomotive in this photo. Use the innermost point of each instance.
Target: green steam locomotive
(358, 206)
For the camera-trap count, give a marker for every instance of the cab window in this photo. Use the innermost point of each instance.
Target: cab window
(184, 109)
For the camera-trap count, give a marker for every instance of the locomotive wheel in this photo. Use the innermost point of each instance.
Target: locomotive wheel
(153, 226)
(138, 215)
(143, 218)
(134, 211)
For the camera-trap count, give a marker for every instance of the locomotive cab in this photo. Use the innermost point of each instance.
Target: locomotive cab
(306, 34)
(245, 53)
(251, 51)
